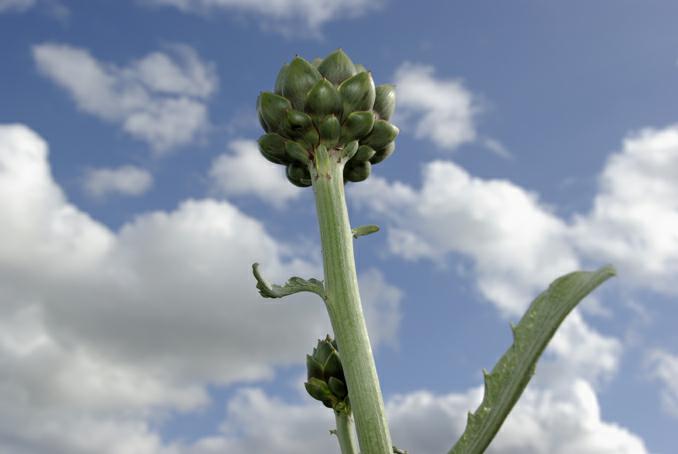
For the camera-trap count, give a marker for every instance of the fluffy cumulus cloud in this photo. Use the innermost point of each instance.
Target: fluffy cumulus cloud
(442, 110)
(311, 13)
(124, 180)
(242, 171)
(634, 220)
(160, 98)
(664, 368)
(100, 330)
(494, 221)
(554, 421)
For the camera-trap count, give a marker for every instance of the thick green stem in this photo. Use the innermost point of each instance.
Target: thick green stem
(345, 433)
(343, 303)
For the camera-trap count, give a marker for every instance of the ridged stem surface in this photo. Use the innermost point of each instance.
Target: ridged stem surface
(345, 433)
(344, 306)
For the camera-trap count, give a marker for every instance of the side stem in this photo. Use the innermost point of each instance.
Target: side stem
(345, 433)
(344, 306)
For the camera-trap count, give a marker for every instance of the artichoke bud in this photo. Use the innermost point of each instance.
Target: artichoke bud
(272, 110)
(329, 129)
(384, 101)
(382, 133)
(272, 147)
(357, 126)
(280, 80)
(356, 171)
(298, 175)
(383, 153)
(357, 93)
(337, 67)
(323, 99)
(300, 76)
(364, 153)
(295, 152)
(296, 124)
(326, 381)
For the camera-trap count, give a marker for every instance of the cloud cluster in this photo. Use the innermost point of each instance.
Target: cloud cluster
(125, 180)
(311, 13)
(559, 421)
(102, 331)
(443, 110)
(634, 219)
(160, 98)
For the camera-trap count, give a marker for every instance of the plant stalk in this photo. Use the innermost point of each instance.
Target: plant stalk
(343, 303)
(345, 433)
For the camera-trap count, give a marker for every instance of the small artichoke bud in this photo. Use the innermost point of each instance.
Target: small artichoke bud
(295, 152)
(326, 381)
(272, 147)
(337, 67)
(382, 133)
(296, 124)
(384, 102)
(298, 175)
(329, 129)
(357, 93)
(364, 153)
(323, 99)
(356, 171)
(280, 80)
(272, 110)
(383, 153)
(300, 76)
(357, 126)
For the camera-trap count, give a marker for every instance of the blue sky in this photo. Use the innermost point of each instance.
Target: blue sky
(536, 138)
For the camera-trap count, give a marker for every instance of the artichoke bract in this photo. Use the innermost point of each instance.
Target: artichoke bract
(332, 103)
(326, 381)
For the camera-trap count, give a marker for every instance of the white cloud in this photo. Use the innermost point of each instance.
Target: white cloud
(311, 13)
(664, 368)
(559, 421)
(160, 99)
(517, 246)
(243, 171)
(492, 221)
(102, 331)
(15, 5)
(634, 220)
(125, 180)
(443, 110)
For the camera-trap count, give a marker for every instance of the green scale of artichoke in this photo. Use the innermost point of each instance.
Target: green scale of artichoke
(332, 103)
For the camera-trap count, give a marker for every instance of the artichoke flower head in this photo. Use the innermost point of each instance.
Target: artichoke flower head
(332, 103)
(326, 381)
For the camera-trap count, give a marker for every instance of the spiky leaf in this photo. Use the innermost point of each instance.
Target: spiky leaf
(510, 376)
(382, 133)
(272, 147)
(272, 110)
